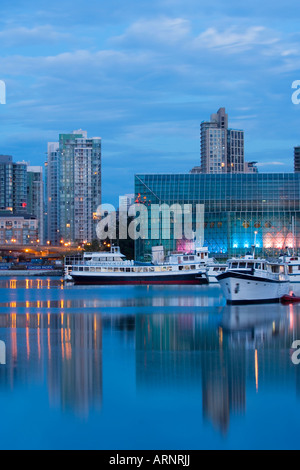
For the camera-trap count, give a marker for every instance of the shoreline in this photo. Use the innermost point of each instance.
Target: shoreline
(27, 273)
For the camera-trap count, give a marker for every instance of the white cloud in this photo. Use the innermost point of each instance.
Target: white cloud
(161, 30)
(235, 39)
(22, 35)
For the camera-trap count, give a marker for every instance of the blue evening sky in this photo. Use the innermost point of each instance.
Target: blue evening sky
(143, 74)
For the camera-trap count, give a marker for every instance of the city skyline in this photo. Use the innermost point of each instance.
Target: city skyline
(146, 94)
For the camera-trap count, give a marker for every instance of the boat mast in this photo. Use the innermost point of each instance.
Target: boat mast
(293, 230)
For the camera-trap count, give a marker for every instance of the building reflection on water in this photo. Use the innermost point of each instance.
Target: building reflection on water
(223, 354)
(63, 348)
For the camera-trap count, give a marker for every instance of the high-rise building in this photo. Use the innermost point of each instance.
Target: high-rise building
(125, 202)
(222, 149)
(73, 187)
(52, 193)
(297, 159)
(13, 185)
(35, 197)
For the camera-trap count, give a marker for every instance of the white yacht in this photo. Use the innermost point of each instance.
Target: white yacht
(293, 262)
(256, 280)
(113, 268)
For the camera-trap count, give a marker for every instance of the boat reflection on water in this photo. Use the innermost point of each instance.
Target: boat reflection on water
(215, 357)
(252, 326)
(231, 354)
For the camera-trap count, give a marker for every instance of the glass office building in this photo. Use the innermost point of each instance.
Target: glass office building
(240, 209)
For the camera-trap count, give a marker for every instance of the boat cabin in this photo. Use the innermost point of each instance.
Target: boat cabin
(104, 257)
(257, 265)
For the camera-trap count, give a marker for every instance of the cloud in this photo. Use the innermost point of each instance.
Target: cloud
(167, 31)
(234, 40)
(21, 36)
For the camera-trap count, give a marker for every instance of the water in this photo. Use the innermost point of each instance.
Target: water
(138, 367)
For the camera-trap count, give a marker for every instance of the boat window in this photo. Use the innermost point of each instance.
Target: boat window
(193, 267)
(234, 265)
(282, 269)
(191, 258)
(128, 270)
(275, 269)
(250, 265)
(151, 270)
(257, 266)
(180, 268)
(80, 269)
(98, 270)
(116, 270)
(185, 258)
(242, 265)
(157, 270)
(187, 267)
(92, 270)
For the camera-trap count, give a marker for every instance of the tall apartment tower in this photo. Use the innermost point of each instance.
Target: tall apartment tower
(73, 187)
(52, 193)
(35, 197)
(297, 159)
(13, 187)
(222, 149)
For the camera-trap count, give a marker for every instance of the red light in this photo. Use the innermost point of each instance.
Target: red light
(24, 204)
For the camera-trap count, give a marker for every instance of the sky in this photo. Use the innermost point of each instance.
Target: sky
(143, 75)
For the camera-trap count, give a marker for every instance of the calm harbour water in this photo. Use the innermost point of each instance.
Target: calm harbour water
(139, 367)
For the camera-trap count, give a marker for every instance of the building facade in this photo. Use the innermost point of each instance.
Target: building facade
(18, 229)
(239, 209)
(73, 188)
(13, 185)
(222, 148)
(125, 202)
(52, 193)
(35, 197)
(297, 159)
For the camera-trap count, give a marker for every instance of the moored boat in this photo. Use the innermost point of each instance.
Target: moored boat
(112, 268)
(254, 280)
(290, 299)
(293, 263)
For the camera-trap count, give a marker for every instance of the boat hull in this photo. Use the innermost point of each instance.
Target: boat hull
(189, 279)
(244, 288)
